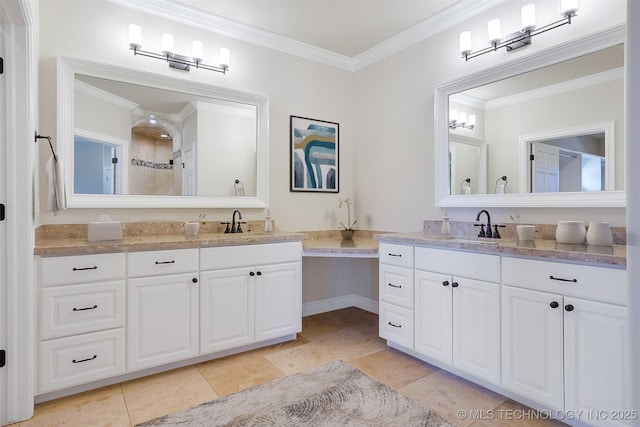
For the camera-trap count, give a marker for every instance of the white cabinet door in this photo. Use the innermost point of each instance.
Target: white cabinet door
(532, 345)
(278, 300)
(163, 320)
(433, 308)
(226, 309)
(476, 328)
(595, 359)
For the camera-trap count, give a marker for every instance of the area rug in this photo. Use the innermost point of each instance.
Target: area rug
(335, 394)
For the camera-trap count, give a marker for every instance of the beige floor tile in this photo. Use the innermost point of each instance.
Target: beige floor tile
(313, 327)
(300, 340)
(162, 394)
(513, 413)
(301, 358)
(393, 367)
(353, 316)
(101, 407)
(348, 344)
(453, 397)
(239, 372)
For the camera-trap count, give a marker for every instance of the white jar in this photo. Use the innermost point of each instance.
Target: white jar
(572, 232)
(599, 234)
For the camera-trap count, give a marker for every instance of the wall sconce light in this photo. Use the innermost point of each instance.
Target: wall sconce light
(459, 120)
(180, 62)
(568, 9)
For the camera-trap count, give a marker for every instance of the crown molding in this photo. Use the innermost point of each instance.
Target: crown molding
(167, 9)
(104, 96)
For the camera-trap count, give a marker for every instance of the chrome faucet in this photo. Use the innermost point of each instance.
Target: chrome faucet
(236, 228)
(482, 233)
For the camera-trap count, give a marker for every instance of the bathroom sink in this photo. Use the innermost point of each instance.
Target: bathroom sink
(477, 241)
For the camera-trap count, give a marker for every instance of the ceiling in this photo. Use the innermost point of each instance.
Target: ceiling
(347, 27)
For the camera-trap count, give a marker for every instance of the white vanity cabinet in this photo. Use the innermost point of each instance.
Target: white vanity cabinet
(564, 336)
(249, 294)
(163, 307)
(81, 318)
(396, 293)
(457, 316)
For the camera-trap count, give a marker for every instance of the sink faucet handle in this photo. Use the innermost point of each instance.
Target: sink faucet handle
(228, 229)
(482, 232)
(496, 235)
(238, 229)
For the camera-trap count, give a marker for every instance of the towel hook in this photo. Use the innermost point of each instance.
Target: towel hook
(48, 138)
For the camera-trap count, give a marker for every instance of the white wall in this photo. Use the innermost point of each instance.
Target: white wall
(395, 111)
(97, 31)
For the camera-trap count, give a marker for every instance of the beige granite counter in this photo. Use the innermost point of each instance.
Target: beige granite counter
(329, 243)
(540, 248)
(80, 246)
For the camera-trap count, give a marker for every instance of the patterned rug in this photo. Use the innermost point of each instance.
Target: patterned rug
(335, 394)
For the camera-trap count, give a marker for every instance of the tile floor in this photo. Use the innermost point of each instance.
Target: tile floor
(350, 334)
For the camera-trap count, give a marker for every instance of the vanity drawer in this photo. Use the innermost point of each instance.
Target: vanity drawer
(464, 264)
(224, 257)
(396, 324)
(80, 359)
(78, 309)
(595, 283)
(81, 268)
(399, 255)
(155, 263)
(396, 285)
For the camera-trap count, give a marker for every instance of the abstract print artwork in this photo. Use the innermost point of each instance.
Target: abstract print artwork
(314, 155)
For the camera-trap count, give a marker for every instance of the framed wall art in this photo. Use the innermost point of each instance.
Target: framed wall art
(314, 155)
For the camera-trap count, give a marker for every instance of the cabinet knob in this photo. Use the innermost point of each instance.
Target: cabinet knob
(252, 274)
(569, 307)
(259, 273)
(445, 283)
(554, 304)
(194, 280)
(455, 285)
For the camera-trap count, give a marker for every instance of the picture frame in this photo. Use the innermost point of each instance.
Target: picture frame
(314, 155)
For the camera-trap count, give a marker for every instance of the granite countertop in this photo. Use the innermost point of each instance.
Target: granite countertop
(80, 246)
(540, 248)
(359, 247)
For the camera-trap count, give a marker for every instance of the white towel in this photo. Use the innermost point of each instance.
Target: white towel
(56, 194)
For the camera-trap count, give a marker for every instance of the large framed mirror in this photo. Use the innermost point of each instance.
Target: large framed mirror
(132, 139)
(551, 123)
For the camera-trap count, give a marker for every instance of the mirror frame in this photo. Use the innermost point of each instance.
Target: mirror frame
(559, 53)
(67, 70)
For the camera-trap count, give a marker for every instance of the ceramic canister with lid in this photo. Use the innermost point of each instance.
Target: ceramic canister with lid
(599, 234)
(572, 232)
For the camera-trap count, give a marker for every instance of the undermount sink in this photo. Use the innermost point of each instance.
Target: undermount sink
(478, 241)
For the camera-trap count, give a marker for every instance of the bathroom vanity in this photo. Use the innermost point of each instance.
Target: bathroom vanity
(114, 311)
(544, 327)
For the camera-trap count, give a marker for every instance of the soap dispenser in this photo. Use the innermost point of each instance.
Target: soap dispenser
(268, 224)
(446, 227)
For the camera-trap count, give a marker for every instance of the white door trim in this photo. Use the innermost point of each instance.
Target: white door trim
(20, 79)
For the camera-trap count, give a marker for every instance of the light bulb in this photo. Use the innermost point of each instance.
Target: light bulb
(568, 7)
(472, 119)
(224, 57)
(495, 31)
(197, 51)
(135, 36)
(528, 13)
(465, 42)
(167, 44)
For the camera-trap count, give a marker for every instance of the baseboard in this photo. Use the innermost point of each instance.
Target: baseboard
(337, 303)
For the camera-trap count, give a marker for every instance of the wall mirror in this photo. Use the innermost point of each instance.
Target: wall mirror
(551, 123)
(139, 140)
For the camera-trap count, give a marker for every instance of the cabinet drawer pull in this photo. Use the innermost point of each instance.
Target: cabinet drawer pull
(95, 267)
(173, 261)
(394, 286)
(554, 304)
(560, 279)
(85, 308)
(398, 255)
(95, 356)
(394, 325)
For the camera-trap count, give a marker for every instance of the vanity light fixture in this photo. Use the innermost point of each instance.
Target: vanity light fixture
(568, 9)
(459, 120)
(180, 62)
